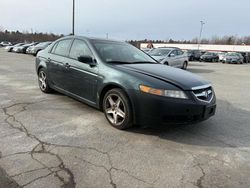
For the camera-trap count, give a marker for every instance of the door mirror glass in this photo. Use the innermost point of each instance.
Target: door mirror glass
(87, 60)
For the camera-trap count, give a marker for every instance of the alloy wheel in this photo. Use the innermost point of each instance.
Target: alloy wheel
(42, 80)
(115, 109)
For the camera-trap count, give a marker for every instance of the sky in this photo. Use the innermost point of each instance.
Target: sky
(129, 19)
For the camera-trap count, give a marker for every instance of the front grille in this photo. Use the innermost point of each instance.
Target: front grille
(204, 93)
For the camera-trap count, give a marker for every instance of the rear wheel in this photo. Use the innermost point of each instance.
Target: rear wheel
(117, 109)
(43, 81)
(35, 54)
(184, 66)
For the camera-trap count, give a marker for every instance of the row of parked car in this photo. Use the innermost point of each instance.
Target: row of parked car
(178, 58)
(224, 57)
(26, 48)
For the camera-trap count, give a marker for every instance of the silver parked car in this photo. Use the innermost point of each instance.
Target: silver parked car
(233, 58)
(173, 57)
(37, 48)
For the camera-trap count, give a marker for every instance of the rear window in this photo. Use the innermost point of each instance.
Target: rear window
(62, 47)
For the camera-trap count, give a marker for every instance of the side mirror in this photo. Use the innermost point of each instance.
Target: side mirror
(87, 60)
(172, 55)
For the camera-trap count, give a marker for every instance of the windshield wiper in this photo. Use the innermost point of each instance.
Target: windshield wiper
(135, 62)
(118, 62)
(144, 62)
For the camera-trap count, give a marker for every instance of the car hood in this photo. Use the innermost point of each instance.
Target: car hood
(180, 78)
(158, 58)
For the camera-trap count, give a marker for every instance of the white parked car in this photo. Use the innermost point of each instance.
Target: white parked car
(173, 57)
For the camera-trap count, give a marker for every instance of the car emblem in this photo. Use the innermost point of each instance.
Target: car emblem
(206, 93)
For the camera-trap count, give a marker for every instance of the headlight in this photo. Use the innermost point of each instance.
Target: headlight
(161, 92)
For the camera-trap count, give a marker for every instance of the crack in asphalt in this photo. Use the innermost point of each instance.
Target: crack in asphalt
(11, 117)
(199, 181)
(41, 148)
(41, 177)
(6, 181)
(27, 172)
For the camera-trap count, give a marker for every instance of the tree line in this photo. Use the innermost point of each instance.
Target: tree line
(17, 36)
(225, 40)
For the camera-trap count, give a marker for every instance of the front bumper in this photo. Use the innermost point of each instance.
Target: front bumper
(30, 51)
(151, 110)
(17, 50)
(235, 61)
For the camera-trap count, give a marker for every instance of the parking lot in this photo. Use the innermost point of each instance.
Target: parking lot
(55, 141)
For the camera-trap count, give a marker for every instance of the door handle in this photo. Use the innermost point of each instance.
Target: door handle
(49, 60)
(66, 65)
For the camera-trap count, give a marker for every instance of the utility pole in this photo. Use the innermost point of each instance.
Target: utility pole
(199, 42)
(73, 19)
(107, 35)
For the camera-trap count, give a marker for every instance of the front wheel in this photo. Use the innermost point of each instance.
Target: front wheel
(117, 109)
(43, 81)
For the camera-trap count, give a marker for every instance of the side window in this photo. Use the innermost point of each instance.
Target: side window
(62, 47)
(79, 48)
(180, 52)
(174, 52)
(54, 47)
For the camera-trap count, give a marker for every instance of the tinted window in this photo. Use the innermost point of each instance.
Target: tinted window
(61, 48)
(180, 52)
(159, 52)
(120, 53)
(174, 52)
(79, 48)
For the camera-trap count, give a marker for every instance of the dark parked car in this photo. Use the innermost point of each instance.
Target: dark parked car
(194, 55)
(210, 57)
(23, 48)
(246, 56)
(234, 58)
(127, 84)
(10, 48)
(35, 49)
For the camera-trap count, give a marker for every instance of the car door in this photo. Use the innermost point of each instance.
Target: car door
(58, 64)
(83, 77)
(180, 58)
(172, 58)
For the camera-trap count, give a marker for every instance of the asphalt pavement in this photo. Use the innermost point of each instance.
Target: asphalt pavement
(51, 140)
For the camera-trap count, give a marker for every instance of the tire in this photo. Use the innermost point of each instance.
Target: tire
(43, 81)
(184, 66)
(35, 54)
(117, 109)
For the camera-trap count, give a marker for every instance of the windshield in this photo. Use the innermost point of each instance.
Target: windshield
(118, 52)
(19, 44)
(43, 44)
(159, 52)
(233, 55)
(209, 53)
